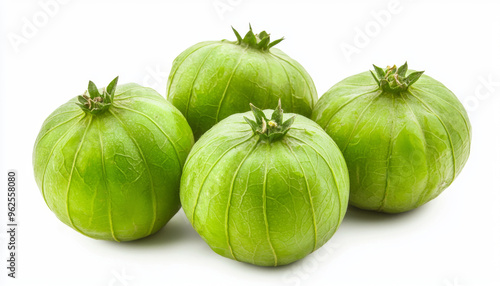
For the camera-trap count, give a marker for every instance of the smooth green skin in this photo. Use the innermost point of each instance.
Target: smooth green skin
(115, 175)
(265, 203)
(403, 149)
(212, 80)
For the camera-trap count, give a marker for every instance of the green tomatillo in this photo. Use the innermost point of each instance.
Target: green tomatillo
(267, 191)
(108, 163)
(405, 138)
(212, 80)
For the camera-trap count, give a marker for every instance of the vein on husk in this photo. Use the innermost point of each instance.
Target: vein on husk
(350, 101)
(292, 90)
(264, 207)
(311, 90)
(230, 196)
(49, 158)
(333, 174)
(155, 99)
(445, 129)
(424, 192)
(56, 126)
(358, 121)
(389, 155)
(68, 188)
(196, 77)
(182, 61)
(210, 171)
(452, 106)
(157, 126)
(153, 192)
(311, 204)
(269, 78)
(76, 109)
(227, 86)
(105, 178)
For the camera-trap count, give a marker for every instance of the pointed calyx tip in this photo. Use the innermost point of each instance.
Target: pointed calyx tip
(93, 102)
(394, 79)
(260, 41)
(270, 129)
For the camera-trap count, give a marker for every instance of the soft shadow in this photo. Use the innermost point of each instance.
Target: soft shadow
(177, 230)
(258, 269)
(252, 267)
(357, 214)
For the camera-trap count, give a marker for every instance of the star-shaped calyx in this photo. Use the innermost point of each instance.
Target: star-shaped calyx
(394, 79)
(270, 129)
(93, 102)
(260, 41)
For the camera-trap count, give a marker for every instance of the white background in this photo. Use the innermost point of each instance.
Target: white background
(453, 240)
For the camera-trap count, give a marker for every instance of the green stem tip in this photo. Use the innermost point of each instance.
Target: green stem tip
(93, 102)
(394, 79)
(260, 41)
(270, 129)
